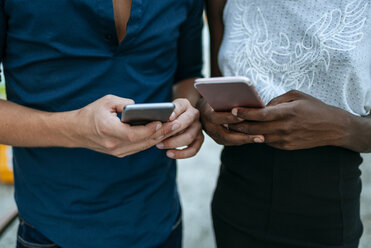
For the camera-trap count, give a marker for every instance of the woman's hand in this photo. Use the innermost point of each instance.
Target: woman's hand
(296, 121)
(186, 131)
(216, 126)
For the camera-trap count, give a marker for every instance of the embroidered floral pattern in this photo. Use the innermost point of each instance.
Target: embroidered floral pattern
(294, 66)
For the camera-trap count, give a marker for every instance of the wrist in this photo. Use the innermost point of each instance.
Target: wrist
(62, 129)
(185, 89)
(356, 133)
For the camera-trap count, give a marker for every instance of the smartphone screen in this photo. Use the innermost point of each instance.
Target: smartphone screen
(141, 114)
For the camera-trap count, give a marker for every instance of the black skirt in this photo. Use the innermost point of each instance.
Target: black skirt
(267, 197)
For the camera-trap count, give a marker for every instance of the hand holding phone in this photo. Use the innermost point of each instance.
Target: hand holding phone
(186, 137)
(220, 96)
(97, 127)
(141, 114)
(226, 93)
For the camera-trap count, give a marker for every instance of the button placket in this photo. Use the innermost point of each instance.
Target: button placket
(108, 37)
(133, 24)
(106, 19)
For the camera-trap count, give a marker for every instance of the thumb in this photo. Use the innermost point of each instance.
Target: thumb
(117, 104)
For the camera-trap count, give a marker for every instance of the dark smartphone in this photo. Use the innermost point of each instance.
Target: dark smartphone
(141, 114)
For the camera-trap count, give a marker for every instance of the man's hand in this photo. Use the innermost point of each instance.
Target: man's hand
(216, 126)
(99, 128)
(296, 121)
(186, 131)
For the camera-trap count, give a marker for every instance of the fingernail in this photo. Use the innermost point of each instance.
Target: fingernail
(234, 112)
(160, 138)
(226, 126)
(160, 145)
(172, 116)
(175, 127)
(158, 127)
(170, 154)
(258, 140)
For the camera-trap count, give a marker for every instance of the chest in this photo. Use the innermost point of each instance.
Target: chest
(291, 25)
(93, 24)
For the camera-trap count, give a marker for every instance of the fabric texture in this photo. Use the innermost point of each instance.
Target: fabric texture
(61, 55)
(2, 32)
(318, 47)
(29, 237)
(303, 199)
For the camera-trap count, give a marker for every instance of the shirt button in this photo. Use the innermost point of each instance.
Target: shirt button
(108, 37)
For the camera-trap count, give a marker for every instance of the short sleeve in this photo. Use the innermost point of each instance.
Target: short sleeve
(190, 44)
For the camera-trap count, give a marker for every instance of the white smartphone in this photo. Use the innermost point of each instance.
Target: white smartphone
(226, 93)
(141, 114)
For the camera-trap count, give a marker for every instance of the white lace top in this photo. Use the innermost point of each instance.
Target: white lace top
(322, 48)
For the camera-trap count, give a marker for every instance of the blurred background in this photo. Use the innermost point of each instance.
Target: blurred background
(196, 179)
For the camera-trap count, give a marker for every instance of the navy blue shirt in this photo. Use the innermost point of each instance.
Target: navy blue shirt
(61, 55)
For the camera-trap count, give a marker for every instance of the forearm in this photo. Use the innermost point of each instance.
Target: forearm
(186, 89)
(214, 11)
(22, 126)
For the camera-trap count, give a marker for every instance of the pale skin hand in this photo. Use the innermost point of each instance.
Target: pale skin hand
(188, 133)
(298, 121)
(95, 127)
(113, 137)
(186, 118)
(101, 130)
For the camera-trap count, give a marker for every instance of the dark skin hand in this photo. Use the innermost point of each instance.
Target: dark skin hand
(298, 121)
(291, 121)
(216, 124)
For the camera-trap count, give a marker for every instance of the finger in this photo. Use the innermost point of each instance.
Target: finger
(181, 105)
(270, 113)
(184, 139)
(188, 152)
(220, 118)
(167, 130)
(171, 128)
(256, 128)
(134, 148)
(287, 97)
(183, 121)
(116, 103)
(250, 128)
(137, 134)
(231, 138)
